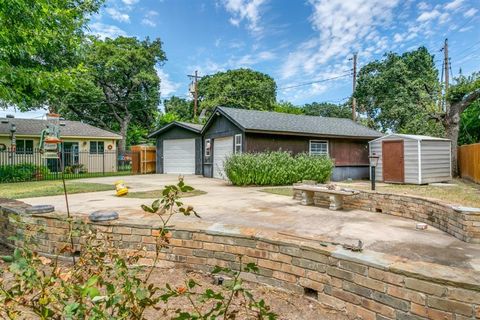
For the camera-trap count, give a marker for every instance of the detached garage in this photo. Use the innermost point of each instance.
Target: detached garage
(179, 147)
(412, 159)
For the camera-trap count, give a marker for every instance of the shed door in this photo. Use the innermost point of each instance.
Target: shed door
(179, 156)
(392, 161)
(222, 148)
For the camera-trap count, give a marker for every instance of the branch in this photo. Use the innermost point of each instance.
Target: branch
(467, 100)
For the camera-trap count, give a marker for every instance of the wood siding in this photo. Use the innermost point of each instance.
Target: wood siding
(179, 133)
(345, 152)
(469, 162)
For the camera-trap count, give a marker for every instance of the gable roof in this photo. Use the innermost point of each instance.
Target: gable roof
(185, 125)
(33, 127)
(284, 123)
(412, 137)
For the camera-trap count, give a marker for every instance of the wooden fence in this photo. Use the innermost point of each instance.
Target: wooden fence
(469, 161)
(145, 159)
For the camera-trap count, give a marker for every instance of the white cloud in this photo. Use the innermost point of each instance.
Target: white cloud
(248, 10)
(118, 15)
(342, 27)
(398, 37)
(422, 6)
(167, 86)
(252, 59)
(455, 4)
(103, 30)
(130, 2)
(470, 12)
(149, 18)
(428, 15)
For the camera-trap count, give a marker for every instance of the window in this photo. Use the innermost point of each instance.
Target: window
(208, 147)
(318, 148)
(24, 147)
(238, 143)
(97, 147)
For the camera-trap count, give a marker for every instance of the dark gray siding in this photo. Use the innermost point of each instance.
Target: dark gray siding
(179, 133)
(219, 127)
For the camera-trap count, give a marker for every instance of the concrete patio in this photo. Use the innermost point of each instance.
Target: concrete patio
(250, 211)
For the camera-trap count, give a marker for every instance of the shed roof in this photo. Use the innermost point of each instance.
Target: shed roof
(186, 125)
(33, 127)
(412, 137)
(284, 123)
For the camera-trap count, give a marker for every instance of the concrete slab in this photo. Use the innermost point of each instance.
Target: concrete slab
(248, 210)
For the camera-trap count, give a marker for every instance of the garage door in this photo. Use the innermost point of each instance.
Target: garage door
(179, 156)
(222, 148)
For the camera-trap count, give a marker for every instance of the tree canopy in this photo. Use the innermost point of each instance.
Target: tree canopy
(326, 109)
(40, 41)
(240, 88)
(120, 88)
(180, 107)
(400, 92)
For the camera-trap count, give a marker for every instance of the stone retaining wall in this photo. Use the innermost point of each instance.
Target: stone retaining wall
(366, 285)
(462, 223)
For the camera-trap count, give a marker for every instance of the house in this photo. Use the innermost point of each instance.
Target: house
(407, 158)
(231, 130)
(82, 144)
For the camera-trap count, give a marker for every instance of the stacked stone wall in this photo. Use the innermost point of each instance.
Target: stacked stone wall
(462, 223)
(365, 285)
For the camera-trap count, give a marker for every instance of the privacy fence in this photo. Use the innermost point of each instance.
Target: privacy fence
(33, 165)
(469, 161)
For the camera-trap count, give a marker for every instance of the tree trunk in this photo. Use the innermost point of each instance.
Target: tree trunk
(452, 127)
(122, 144)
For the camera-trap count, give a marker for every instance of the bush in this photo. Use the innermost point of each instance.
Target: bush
(22, 172)
(276, 168)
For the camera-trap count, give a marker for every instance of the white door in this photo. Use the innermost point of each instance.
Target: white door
(222, 148)
(179, 156)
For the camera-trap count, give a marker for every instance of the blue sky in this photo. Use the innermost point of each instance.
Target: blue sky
(293, 41)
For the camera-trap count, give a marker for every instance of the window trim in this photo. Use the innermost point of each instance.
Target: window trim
(24, 149)
(319, 141)
(96, 149)
(208, 147)
(235, 144)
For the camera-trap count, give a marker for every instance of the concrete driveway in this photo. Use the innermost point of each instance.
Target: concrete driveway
(248, 210)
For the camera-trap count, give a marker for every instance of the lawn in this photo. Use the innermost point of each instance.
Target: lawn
(155, 194)
(20, 190)
(464, 193)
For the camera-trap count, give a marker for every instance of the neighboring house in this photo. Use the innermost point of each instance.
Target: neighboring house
(230, 130)
(82, 144)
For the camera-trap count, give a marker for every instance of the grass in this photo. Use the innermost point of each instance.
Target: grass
(464, 193)
(154, 194)
(32, 189)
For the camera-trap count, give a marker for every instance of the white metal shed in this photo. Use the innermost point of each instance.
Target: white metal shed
(415, 159)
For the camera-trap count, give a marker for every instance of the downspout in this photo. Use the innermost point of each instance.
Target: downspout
(419, 152)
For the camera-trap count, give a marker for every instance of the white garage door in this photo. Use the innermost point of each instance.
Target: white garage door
(222, 148)
(179, 156)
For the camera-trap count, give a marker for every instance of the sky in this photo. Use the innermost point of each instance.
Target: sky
(307, 45)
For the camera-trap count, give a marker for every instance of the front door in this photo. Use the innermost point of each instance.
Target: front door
(70, 154)
(392, 161)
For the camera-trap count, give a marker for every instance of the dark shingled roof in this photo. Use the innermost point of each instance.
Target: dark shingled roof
(253, 120)
(33, 127)
(186, 125)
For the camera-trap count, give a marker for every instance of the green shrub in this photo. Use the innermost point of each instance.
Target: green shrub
(276, 168)
(22, 172)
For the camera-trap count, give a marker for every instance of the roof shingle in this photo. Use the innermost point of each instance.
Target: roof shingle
(254, 120)
(33, 127)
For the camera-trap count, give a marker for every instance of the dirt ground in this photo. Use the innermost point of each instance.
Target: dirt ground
(287, 305)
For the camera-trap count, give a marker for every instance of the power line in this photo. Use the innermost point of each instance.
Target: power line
(316, 81)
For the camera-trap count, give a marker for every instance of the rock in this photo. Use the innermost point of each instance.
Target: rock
(46, 208)
(103, 215)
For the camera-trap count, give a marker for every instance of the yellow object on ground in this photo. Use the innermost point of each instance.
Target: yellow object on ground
(121, 188)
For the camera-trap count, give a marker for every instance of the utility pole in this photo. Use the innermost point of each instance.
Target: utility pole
(194, 91)
(445, 52)
(354, 101)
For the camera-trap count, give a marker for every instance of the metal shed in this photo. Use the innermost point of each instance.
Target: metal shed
(415, 159)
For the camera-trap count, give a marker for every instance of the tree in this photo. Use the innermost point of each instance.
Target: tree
(462, 95)
(287, 107)
(399, 93)
(121, 86)
(182, 108)
(470, 125)
(240, 88)
(40, 41)
(326, 109)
